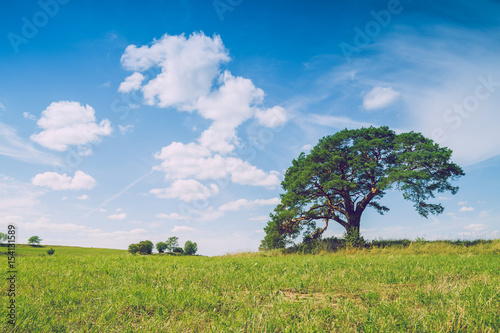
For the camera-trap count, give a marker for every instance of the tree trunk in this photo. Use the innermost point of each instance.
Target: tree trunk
(353, 224)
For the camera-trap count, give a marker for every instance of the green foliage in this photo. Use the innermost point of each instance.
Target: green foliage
(172, 242)
(349, 171)
(143, 247)
(50, 251)
(177, 250)
(161, 247)
(133, 248)
(190, 248)
(273, 238)
(34, 240)
(3, 237)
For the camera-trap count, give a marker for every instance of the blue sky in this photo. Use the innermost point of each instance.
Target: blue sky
(124, 121)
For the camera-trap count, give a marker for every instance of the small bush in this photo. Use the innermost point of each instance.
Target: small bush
(161, 247)
(51, 251)
(177, 250)
(353, 239)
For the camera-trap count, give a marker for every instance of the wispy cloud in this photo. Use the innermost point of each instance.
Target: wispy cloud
(13, 146)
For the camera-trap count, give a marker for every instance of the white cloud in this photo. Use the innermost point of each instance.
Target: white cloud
(462, 203)
(133, 82)
(181, 228)
(121, 216)
(69, 123)
(186, 190)
(191, 79)
(2, 107)
(466, 209)
(271, 117)
(196, 161)
(379, 97)
(125, 129)
(306, 147)
(246, 204)
(171, 216)
(188, 67)
(29, 116)
(476, 227)
(83, 197)
(57, 181)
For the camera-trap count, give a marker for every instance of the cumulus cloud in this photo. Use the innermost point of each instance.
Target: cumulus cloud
(379, 97)
(121, 216)
(83, 197)
(188, 67)
(133, 82)
(69, 123)
(466, 209)
(271, 117)
(191, 79)
(196, 161)
(55, 181)
(186, 190)
(246, 204)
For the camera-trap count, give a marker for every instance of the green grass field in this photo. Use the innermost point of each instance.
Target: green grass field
(426, 287)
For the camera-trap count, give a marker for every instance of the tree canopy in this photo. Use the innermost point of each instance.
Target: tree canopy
(34, 240)
(352, 170)
(143, 247)
(190, 248)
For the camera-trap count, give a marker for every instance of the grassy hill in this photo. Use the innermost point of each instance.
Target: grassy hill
(425, 287)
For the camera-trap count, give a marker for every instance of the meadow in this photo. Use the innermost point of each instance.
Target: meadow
(423, 287)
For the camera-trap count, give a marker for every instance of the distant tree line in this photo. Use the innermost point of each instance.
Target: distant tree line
(170, 245)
